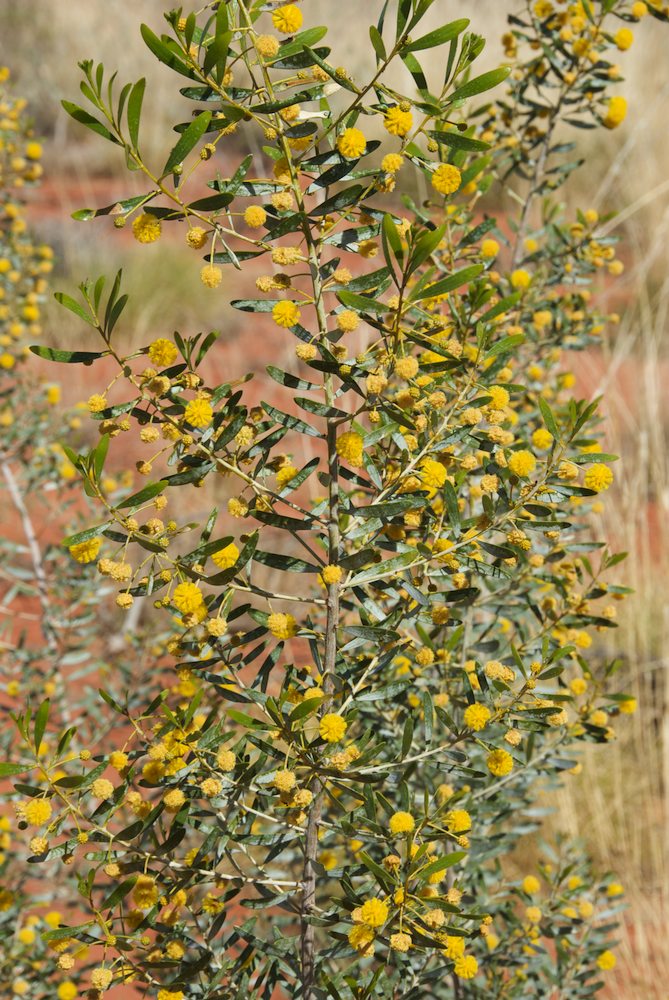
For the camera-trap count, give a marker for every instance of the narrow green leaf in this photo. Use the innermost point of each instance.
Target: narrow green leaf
(187, 141)
(480, 83)
(438, 37)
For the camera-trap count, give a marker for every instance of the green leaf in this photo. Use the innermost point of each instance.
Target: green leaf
(164, 53)
(84, 118)
(447, 861)
(75, 307)
(377, 43)
(41, 718)
(480, 83)
(7, 769)
(187, 141)
(119, 893)
(361, 303)
(397, 564)
(438, 37)
(66, 357)
(135, 110)
(148, 493)
(456, 140)
(445, 285)
(549, 418)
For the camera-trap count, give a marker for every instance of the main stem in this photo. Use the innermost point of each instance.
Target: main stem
(307, 936)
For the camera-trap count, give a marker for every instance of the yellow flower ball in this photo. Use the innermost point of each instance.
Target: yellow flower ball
(199, 413)
(476, 717)
(146, 228)
(598, 478)
(499, 763)
(227, 557)
(287, 19)
(606, 961)
(489, 248)
(332, 727)
(391, 163)
(616, 112)
(531, 884)
(374, 913)
(187, 598)
(520, 279)
(446, 179)
(522, 463)
(401, 823)
(286, 314)
(623, 39)
(350, 448)
(211, 276)
(255, 216)
(397, 122)
(163, 352)
(282, 626)
(351, 143)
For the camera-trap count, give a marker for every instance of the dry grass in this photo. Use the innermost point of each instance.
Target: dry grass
(619, 806)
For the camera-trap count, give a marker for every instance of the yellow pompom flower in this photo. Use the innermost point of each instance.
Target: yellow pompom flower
(531, 884)
(606, 961)
(623, 39)
(446, 179)
(66, 990)
(227, 557)
(520, 279)
(522, 463)
(598, 477)
(391, 163)
(639, 9)
(347, 321)
(458, 821)
(187, 598)
(628, 706)
(397, 122)
(282, 626)
(287, 19)
(267, 46)
(466, 967)
(500, 763)
(198, 413)
(616, 112)
(86, 552)
(102, 789)
(432, 475)
(374, 913)
(145, 893)
(332, 727)
(499, 396)
(37, 812)
(350, 448)
(331, 574)
(406, 367)
(211, 276)
(163, 352)
(146, 228)
(402, 822)
(477, 717)
(225, 760)
(286, 314)
(255, 216)
(101, 978)
(400, 941)
(33, 150)
(173, 800)
(196, 237)
(489, 248)
(542, 438)
(351, 143)
(284, 781)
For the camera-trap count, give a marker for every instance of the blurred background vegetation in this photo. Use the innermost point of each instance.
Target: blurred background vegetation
(618, 804)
